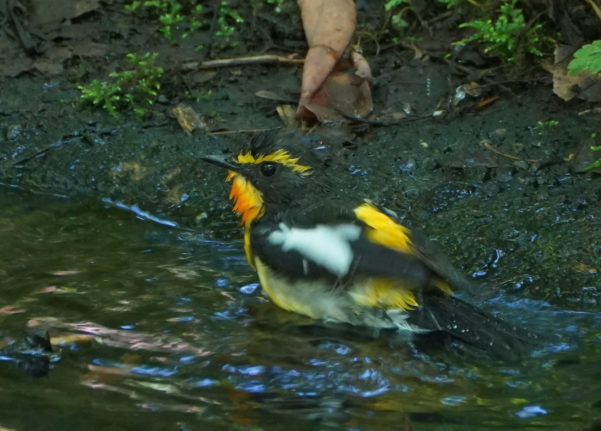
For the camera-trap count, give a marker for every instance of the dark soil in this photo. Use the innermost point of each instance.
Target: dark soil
(509, 201)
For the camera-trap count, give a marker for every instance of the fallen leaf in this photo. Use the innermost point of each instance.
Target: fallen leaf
(329, 26)
(135, 170)
(343, 95)
(336, 82)
(584, 268)
(188, 118)
(569, 85)
(287, 114)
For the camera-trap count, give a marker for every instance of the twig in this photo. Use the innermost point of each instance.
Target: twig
(230, 132)
(490, 147)
(240, 61)
(595, 8)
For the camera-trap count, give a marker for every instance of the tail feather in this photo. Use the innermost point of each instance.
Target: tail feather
(474, 327)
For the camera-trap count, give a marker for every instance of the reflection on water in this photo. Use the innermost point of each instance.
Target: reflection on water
(162, 328)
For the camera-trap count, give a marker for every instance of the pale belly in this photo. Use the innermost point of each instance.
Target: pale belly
(320, 300)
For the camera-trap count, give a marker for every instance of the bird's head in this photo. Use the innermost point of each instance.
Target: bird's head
(270, 173)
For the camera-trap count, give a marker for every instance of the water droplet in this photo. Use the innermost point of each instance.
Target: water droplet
(249, 288)
(530, 411)
(221, 282)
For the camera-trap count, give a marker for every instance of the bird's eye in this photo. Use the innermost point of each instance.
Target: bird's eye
(268, 169)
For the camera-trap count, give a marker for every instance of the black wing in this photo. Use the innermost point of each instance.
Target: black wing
(367, 258)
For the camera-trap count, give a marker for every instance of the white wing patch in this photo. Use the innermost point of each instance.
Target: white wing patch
(327, 246)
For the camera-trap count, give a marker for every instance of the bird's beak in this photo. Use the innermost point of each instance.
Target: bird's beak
(221, 161)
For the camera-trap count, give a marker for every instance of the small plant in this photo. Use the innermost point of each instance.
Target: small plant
(587, 59)
(597, 163)
(180, 18)
(454, 3)
(503, 36)
(173, 14)
(397, 9)
(226, 23)
(543, 127)
(135, 88)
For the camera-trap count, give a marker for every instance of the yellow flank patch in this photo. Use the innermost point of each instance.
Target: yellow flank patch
(383, 229)
(385, 293)
(280, 156)
(248, 201)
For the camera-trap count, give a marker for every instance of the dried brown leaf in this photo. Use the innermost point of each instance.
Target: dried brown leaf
(329, 26)
(188, 118)
(569, 85)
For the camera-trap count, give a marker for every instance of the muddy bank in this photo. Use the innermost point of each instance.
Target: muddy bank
(505, 197)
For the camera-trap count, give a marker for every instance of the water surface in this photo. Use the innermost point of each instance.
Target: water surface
(161, 328)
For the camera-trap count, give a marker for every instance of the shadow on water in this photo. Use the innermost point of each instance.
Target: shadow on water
(155, 327)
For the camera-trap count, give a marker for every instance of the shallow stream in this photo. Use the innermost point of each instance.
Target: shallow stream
(156, 327)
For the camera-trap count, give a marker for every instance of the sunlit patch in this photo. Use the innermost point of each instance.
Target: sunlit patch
(248, 201)
(383, 229)
(385, 293)
(280, 156)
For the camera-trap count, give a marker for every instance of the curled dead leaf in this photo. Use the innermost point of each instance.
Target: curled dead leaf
(336, 83)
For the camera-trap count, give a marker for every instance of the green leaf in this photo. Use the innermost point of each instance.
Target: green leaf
(390, 4)
(587, 59)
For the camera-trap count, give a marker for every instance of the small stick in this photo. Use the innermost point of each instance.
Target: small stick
(229, 132)
(240, 61)
(595, 8)
(490, 147)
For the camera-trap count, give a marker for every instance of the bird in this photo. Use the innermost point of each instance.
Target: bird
(324, 254)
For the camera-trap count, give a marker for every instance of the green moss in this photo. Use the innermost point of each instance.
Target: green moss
(543, 127)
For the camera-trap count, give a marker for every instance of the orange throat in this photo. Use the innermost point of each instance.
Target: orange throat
(247, 200)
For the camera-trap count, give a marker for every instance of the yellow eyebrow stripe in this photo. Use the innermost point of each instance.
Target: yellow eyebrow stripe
(383, 230)
(280, 156)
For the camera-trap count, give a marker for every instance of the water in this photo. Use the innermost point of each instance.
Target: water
(160, 328)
